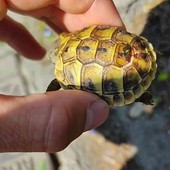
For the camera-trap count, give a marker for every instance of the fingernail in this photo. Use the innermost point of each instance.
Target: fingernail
(97, 113)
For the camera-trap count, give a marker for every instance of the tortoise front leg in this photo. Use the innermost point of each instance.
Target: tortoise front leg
(53, 86)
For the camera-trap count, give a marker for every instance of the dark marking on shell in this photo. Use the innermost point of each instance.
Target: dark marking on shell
(129, 83)
(146, 81)
(89, 85)
(139, 44)
(130, 79)
(70, 76)
(127, 52)
(127, 95)
(121, 31)
(102, 50)
(136, 89)
(66, 49)
(145, 56)
(106, 99)
(117, 98)
(85, 48)
(110, 87)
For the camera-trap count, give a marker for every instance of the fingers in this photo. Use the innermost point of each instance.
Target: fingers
(3, 9)
(104, 13)
(75, 6)
(48, 122)
(70, 15)
(69, 6)
(27, 5)
(20, 39)
(99, 13)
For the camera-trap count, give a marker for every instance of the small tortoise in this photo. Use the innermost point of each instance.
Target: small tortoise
(105, 60)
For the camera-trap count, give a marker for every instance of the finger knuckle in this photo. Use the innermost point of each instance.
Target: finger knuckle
(56, 133)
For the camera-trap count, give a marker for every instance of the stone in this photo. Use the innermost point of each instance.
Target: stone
(92, 151)
(134, 13)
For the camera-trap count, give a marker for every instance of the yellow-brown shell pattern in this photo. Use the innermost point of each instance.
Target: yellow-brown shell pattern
(108, 61)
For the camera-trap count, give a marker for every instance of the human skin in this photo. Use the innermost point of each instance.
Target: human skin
(50, 121)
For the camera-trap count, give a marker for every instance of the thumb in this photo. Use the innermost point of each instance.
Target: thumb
(48, 122)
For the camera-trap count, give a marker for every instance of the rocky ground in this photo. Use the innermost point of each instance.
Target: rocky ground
(143, 131)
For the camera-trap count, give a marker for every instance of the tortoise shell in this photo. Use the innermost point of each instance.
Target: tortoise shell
(105, 60)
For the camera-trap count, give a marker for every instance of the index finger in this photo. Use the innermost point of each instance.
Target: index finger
(69, 15)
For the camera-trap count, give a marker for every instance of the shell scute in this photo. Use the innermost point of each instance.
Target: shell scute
(91, 76)
(105, 52)
(122, 36)
(103, 32)
(122, 55)
(86, 50)
(118, 99)
(72, 72)
(84, 33)
(69, 52)
(129, 96)
(131, 78)
(112, 80)
(138, 90)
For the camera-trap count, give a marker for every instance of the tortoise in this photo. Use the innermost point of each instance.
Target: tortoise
(108, 61)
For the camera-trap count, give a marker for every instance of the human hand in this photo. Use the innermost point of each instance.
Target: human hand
(61, 15)
(49, 122)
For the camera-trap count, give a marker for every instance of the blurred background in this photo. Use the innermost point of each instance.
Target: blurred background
(135, 137)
